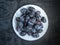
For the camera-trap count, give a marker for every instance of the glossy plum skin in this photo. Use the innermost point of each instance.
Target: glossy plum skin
(30, 22)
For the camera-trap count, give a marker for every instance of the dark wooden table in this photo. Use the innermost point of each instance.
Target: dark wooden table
(7, 34)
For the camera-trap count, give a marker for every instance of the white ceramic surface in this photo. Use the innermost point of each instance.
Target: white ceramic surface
(27, 37)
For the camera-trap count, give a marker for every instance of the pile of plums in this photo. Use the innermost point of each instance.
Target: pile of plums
(30, 22)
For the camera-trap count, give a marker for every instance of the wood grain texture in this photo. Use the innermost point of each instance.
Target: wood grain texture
(7, 10)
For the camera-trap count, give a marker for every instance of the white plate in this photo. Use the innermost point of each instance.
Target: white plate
(27, 37)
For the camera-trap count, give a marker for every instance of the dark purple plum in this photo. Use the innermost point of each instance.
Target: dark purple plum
(27, 18)
(23, 10)
(34, 30)
(43, 19)
(35, 35)
(31, 21)
(37, 14)
(20, 24)
(32, 14)
(22, 19)
(29, 30)
(22, 33)
(39, 31)
(18, 19)
(31, 9)
(38, 26)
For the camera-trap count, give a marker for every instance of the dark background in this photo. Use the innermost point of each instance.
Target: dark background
(9, 7)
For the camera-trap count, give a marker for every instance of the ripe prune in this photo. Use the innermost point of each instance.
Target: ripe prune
(22, 33)
(34, 31)
(31, 9)
(23, 10)
(43, 19)
(22, 19)
(18, 19)
(39, 31)
(32, 21)
(20, 24)
(38, 26)
(32, 14)
(37, 14)
(35, 35)
(27, 18)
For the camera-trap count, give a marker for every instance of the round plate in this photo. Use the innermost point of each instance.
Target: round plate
(27, 37)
